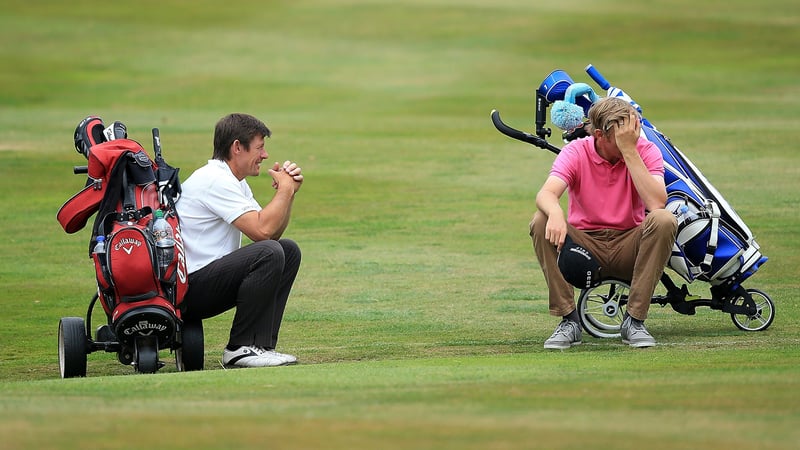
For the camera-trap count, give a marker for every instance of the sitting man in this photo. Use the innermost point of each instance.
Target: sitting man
(615, 212)
(215, 208)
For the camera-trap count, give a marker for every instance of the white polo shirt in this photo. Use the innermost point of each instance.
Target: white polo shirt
(211, 199)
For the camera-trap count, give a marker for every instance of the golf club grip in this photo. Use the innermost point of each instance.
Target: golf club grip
(157, 143)
(521, 135)
(597, 77)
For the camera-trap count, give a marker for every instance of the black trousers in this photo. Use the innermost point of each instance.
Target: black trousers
(256, 280)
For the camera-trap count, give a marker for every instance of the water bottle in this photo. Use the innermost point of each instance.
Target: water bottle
(686, 215)
(100, 247)
(99, 253)
(683, 212)
(165, 243)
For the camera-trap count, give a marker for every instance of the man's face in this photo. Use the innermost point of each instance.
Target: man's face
(607, 143)
(247, 161)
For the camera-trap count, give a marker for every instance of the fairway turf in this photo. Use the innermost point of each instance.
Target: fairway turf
(501, 401)
(419, 312)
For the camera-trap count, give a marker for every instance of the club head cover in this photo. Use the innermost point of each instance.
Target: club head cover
(116, 130)
(89, 133)
(567, 114)
(555, 85)
(578, 266)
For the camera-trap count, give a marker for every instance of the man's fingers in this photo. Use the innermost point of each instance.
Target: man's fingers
(291, 168)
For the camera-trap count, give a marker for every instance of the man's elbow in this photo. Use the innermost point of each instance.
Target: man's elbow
(657, 203)
(262, 235)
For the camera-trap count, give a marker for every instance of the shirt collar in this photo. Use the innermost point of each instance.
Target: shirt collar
(220, 164)
(595, 157)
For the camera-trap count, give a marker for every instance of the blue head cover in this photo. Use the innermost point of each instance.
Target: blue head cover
(554, 85)
(567, 114)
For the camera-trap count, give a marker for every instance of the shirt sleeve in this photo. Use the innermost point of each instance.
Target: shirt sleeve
(229, 200)
(651, 156)
(564, 166)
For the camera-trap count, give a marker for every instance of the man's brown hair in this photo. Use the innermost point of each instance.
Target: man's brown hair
(243, 127)
(609, 111)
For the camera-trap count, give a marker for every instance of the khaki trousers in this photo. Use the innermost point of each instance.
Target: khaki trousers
(638, 255)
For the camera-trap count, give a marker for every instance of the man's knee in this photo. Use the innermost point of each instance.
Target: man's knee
(268, 246)
(278, 254)
(290, 247)
(292, 254)
(538, 224)
(268, 254)
(661, 221)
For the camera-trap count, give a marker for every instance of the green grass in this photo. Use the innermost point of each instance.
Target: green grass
(462, 402)
(419, 312)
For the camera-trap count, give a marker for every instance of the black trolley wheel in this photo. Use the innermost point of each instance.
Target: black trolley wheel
(73, 346)
(145, 355)
(190, 355)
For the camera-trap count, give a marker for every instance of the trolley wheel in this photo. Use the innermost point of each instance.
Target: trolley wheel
(145, 357)
(125, 356)
(601, 309)
(191, 354)
(73, 346)
(765, 312)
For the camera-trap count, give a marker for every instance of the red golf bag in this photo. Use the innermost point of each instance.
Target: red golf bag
(140, 285)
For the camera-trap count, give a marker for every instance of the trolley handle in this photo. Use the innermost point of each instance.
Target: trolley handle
(77, 170)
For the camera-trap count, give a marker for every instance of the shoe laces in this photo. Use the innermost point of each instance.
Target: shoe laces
(636, 326)
(565, 328)
(258, 350)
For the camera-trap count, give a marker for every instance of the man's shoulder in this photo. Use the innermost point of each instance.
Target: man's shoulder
(211, 167)
(580, 144)
(644, 144)
(207, 175)
(650, 153)
(579, 148)
(575, 150)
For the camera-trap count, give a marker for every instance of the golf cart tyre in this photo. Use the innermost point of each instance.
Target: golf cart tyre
(72, 347)
(191, 354)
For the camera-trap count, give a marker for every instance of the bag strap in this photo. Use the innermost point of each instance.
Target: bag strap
(713, 237)
(118, 190)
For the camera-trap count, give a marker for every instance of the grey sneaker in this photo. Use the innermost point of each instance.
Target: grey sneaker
(635, 334)
(567, 334)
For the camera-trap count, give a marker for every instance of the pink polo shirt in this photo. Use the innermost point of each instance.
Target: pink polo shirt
(602, 195)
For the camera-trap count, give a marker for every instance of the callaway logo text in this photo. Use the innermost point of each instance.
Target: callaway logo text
(127, 241)
(144, 328)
